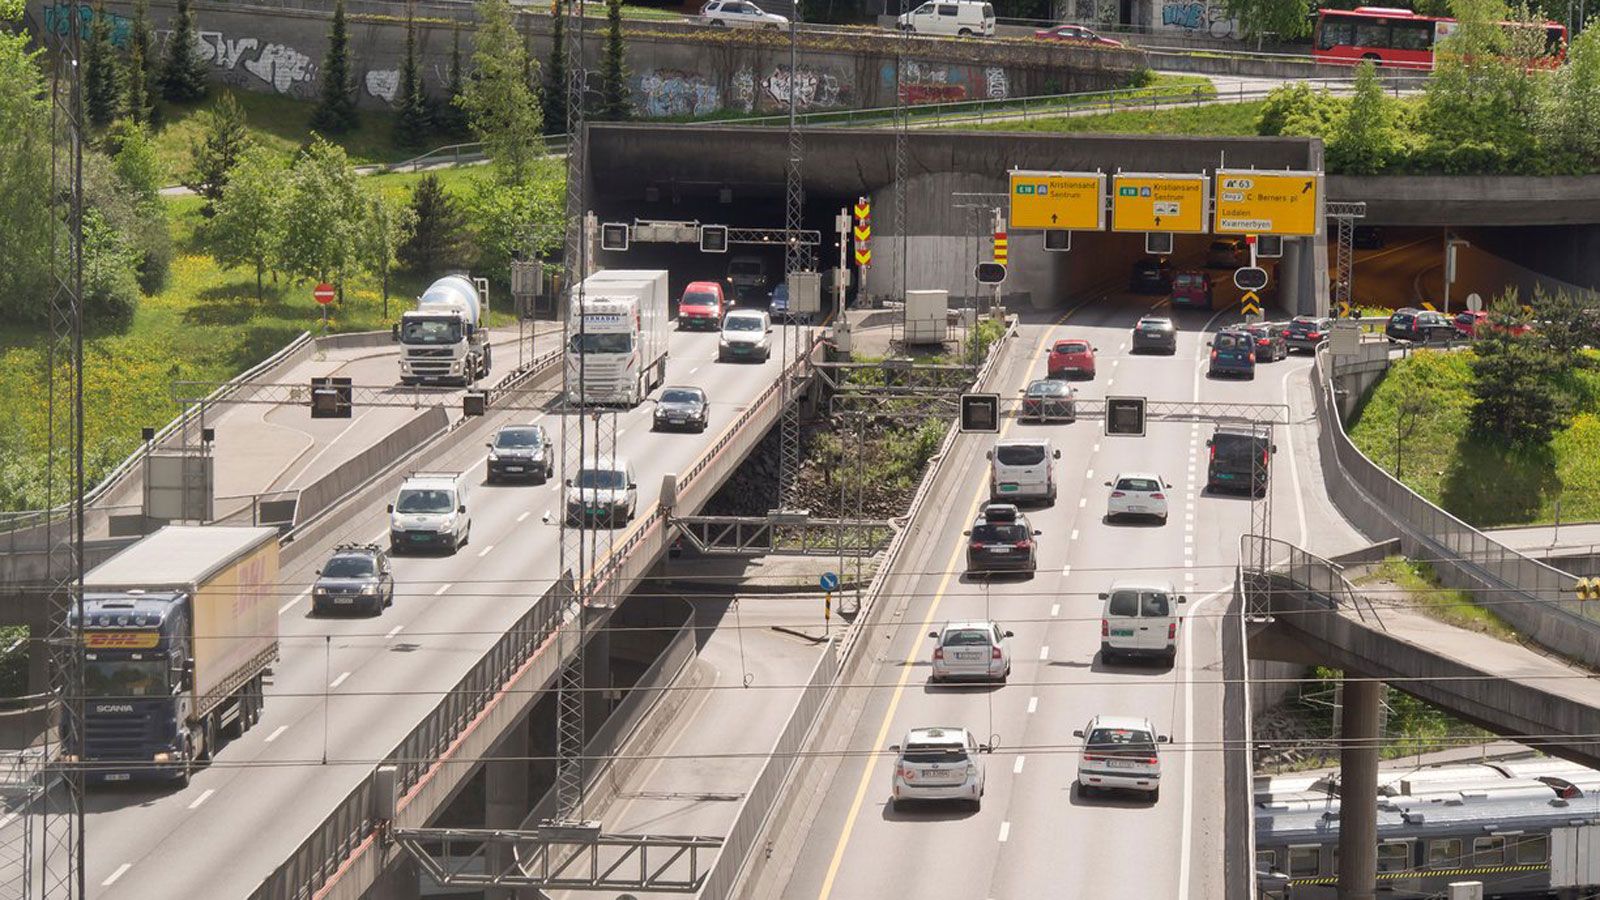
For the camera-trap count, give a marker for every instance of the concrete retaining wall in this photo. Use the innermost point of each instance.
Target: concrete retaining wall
(1472, 199)
(354, 472)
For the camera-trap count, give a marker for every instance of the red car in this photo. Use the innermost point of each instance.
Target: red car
(701, 306)
(1076, 34)
(1471, 324)
(1191, 288)
(1071, 357)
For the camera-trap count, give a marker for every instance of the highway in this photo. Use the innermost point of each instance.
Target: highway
(1033, 837)
(347, 690)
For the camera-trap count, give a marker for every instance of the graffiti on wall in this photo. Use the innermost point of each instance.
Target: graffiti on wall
(383, 84)
(1199, 17)
(744, 90)
(812, 89)
(56, 16)
(998, 87)
(922, 82)
(285, 69)
(674, 92)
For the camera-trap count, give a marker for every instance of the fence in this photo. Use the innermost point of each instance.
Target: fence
(763, 797)
(1529, 594)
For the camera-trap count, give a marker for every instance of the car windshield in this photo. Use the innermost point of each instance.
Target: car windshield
(1188, 279)
(1137, 484)
(1019, 454)
(126, 678)
(998, 534)
(601, 343)
(517, 437)
(1236, 449)
(741, 323)
(1232, 341)
(745, 267)
(349, 567)
(967, 637)
(1121, 742)
(430, 331)
(699, 298)
(680, 396)
(614, 479)
(942, 752)
(1072, 347)
(1047, 389)
(424, 500)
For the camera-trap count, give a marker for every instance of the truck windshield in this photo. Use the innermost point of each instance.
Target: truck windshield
(430, 331)
(421, 500)
(601, 343)
(126, 678)
(602, 478)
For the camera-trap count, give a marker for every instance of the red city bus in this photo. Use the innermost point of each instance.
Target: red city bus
(1398, 37)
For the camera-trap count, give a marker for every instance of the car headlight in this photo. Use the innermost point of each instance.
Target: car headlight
(321, 592)
(722, 342)
(369, 590)
(493, 456)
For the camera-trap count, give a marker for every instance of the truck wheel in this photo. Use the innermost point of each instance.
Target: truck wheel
(212, 731)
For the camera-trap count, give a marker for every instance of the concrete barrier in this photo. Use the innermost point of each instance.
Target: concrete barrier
(359, 469)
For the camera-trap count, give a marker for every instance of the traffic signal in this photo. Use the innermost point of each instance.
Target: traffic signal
(1269, 246)
(980, 413)
(1057, 240)
(331, 398)
(474, 403)
(989, 272)
(614, 236)
(713, 239)
(1125, 416)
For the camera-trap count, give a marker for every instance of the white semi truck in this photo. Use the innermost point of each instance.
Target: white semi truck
(618, 345)
(445, 340)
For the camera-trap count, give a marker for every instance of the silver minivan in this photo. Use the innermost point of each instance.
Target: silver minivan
(1023, 469)
(605, 490)
(1140, 618)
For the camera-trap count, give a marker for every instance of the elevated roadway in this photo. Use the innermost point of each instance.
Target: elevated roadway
(347, 690)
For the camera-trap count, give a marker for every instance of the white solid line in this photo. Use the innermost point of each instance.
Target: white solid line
(290, 605)
(524, 515)
(338, 681)
(1005, 831)
(1033, 705)
(1016, 767)
(1044, 652)
(393, 631)
(485, 551)
(121, 870)
(442, 588)
(274, 735)
(1074, 535)
(1082, 502)
(202, 798)
(1055, 609)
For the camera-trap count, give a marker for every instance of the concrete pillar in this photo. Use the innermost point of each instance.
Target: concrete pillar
(401, 880)
(507, 802)
(1358, 790)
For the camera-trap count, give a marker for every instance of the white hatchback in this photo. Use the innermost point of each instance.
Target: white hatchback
(938, 764)
(1119, 753)
(740, 14)
(1137, 494)
(979, 650)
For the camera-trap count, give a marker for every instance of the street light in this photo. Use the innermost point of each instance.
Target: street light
(1450, 245)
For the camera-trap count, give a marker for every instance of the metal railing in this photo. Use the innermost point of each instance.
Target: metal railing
(1310, 579)
(764, 793)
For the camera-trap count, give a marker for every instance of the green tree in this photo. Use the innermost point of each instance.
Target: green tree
(1280, 19)
(438, 239)
(1515, 399)
(101, 75)
(322, 240)
(448, 117)
(1568, 110)
(336, 108)
(615, 103)
(389, 225)
(415, 122)
(133, 158)
(555, 83)
(247, 227)
(1364, 140)
(126, 187)
(137, 73)
(183, 72)
(1567, 323)
(511, 217)
(224, 137)
(25, 152)
(1477, 112)
(500, 106)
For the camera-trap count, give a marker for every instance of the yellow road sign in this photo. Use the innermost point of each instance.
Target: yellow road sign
(1065, 200)
(1250, 304)
(1428, 305)
(1174, 203)
(1251, 202)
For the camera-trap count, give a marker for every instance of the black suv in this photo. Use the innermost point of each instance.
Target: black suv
(356, 577)
(521, 451)
(1422, 326)
(1306, 332)
(1151, 275)
(1155, 333)
(1240, 460)
(1002, 540)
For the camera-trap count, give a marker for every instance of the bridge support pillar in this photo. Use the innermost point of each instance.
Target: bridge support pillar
(1358, 790)
(506, 804)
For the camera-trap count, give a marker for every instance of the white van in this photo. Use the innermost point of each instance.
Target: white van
(956, 17)
(1140, 618)
(1023, 469)
(430, 511)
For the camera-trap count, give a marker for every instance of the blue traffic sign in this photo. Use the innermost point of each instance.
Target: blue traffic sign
(830, 581)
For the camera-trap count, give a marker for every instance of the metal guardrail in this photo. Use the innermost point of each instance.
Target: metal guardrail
(1321, 583)
(763, 796)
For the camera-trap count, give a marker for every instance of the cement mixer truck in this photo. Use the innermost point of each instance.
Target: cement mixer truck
(445, 340)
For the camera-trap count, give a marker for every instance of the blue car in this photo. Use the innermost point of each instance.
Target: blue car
(1233, 353)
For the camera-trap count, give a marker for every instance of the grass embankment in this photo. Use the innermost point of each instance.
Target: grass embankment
(1212, 119)
(205, 325)
(1481, 482)
(1399, 580)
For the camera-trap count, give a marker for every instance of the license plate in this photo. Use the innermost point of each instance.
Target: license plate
(676, 420)
(1224, 476)
(1122, 632)
(1137, 509)
(1123, 764)
(969, 656)
(999, 549)
(418, 538)
(119, 776)
(513, 468)
(344, 599)
(1008, 488)
(595, 510)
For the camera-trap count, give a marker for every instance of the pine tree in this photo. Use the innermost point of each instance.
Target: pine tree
(336, 110)
(137, 103)
(438, 235)
(224, 138)
(503, 111)
(447, 116)
(615, 104)
(555, 85)
(101, 74)
(183, 72)
(415, 121)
